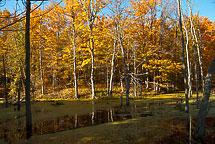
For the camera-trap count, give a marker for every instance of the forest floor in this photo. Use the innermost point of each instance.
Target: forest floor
(152, 119)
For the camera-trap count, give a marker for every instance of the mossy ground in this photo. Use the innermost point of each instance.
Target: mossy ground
(167, 120)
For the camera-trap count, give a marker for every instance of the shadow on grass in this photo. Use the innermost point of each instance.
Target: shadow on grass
(154, 119)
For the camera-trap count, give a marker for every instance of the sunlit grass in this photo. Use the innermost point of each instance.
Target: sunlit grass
(164, 108)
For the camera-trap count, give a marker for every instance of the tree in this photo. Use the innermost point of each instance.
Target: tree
(5, 81)
(74, 10)
(194, 47)
(92, 8)
(113, 58)
(183, 58)
(27, 71)
(189, 82)
(76, 45)
(200, 128)
(3, 38)
(120, 22)
(41, 65)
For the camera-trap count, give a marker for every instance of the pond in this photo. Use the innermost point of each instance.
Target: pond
(13, 129)
(181, 127)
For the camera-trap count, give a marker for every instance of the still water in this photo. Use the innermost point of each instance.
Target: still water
(12, 130)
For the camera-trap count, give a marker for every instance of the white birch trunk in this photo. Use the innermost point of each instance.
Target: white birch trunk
(41, 66)
(92, 62)
(188, 61)
(135, 70)
(195, 59)
(198, 47)
(199, 50)
(122, 90)
(147, 79)
(107, 76)
(183, 59)
(112, 63)
(5, 83)
(125, 72)
(74, 60)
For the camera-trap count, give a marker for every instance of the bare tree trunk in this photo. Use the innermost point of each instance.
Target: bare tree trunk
(111, 76)
(93, 113)
(188, 61)
(154, 82)
(127, 53)
(135, 70)
(74, 60)
(53, 80)
(92, 62)
(41, 67)
(200, 128)
(112, 63)
(27, 69)
(198, 47)
(107, 76)
(188, 123)
(176, 54)
(121, 84)
(196, 77)
(141, 84)
(147, 79)
(125, 72)
(146, 76)
(5, 83)
(183, 59)
(199, 50)
(194, 46)
(18, 101)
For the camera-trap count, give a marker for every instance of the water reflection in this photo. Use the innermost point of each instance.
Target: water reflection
(16, 130)
(74, 121)
(5, 133)
(188, 125)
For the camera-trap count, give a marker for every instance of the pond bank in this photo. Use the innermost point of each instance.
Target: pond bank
(156, 119)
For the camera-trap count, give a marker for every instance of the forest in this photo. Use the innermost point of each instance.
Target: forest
(116, 63)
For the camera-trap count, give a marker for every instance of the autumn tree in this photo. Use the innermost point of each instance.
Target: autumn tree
(74, 12)
(79, 43)
(92, 9)
(200, 128)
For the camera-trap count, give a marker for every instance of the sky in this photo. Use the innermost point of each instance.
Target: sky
(205, 7)
(11, 5)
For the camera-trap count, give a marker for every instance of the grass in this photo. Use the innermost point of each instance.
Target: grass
(167, 118)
